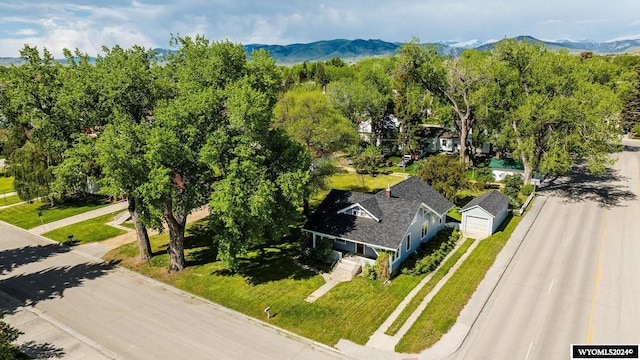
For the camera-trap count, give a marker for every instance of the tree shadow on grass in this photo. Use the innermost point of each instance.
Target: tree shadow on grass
(270, 264)
(32, 288)
(200, 244)
(579, 186)
(11, 259)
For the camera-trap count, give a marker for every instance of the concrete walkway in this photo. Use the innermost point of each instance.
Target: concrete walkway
(40, 229)
(379, 339)
(452, 340)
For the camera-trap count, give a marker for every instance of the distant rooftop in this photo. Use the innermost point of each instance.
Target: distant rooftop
(506, 163)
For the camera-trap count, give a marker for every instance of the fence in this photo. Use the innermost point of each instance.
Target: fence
(526, 203)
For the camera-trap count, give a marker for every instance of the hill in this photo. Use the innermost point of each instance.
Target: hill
(354, 50)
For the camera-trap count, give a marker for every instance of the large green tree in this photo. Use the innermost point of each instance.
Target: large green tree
(263, 175)
(366, 97)
(129, 90)
(551, 109)
(307, 117)
(444, 174)
(38, 131)
(427, 82)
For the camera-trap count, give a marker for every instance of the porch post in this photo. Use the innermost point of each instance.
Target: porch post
(314, 240)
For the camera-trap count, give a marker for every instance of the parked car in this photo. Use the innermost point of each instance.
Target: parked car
(405, 161)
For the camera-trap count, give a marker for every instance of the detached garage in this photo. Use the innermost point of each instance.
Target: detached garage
(483, 215)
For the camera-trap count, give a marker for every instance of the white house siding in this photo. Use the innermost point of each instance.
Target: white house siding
(499, 174)
(499, 219)
(436, 223)
(477, 213)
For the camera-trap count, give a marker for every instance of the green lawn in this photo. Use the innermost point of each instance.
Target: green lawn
(86, 231)
(128, 224)
(372, 184)
(9, 200)
(6, 184)
(352, 181)
(426, 289)
(352, 310)
(26, 215)
(411, 169)
(443, 310)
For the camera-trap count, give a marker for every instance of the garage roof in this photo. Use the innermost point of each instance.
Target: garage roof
(492, 202)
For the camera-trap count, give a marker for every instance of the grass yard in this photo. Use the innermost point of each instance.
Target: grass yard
(352, 181)
(352, 310)
(426, 289)
(86, 231)
(443, 310)
(9, 200)
(372, 184)
(6, 184)
(411, 169)
(26, 215)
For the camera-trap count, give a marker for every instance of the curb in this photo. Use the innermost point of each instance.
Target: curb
(161, 285)
(494, 285)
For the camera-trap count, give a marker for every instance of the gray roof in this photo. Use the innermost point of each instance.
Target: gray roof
(394, 213)
(492, 202)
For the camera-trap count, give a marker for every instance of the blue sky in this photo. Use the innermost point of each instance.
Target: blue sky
(89, 24)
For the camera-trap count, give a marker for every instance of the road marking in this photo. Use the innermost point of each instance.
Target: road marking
(597, 279)
(551, 286)
(529, 351)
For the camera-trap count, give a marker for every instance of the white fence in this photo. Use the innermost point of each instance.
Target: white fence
(526, 203)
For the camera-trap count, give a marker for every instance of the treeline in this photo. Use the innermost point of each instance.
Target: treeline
(205, 125)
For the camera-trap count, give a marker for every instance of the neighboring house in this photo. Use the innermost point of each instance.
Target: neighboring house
(501, 167)
(396, 220)
(483, 215)
(439, 139)
(390, 124)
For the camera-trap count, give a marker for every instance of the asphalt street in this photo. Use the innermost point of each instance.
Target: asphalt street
(574, 279)
(112, 313)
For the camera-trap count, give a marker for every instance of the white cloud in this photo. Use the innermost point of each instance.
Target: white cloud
(88, 24)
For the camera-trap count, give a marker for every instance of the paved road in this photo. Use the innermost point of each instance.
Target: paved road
(117, 314)
(575, 277)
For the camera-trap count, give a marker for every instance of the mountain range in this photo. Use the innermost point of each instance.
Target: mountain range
(353, 50)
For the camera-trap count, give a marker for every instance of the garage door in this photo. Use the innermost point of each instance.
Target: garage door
(477, 225)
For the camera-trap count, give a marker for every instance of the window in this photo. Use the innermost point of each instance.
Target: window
(408, 242)
(440, 221)
(425, 229)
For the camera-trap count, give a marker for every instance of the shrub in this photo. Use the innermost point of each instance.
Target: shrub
(430, 261)
(320, 254)
(513, 181)
(369, 271)
(382, 266)
(527, 189)
(485, 174)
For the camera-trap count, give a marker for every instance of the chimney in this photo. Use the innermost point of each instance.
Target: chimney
(388, 191)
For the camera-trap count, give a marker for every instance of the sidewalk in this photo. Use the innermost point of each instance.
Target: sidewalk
(40, 229)
(452, 340)
(379, 339)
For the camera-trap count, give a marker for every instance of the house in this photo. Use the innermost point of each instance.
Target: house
(501, 167)
(483, 215)
(396, 220)
(438, 138)
(389, 125)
